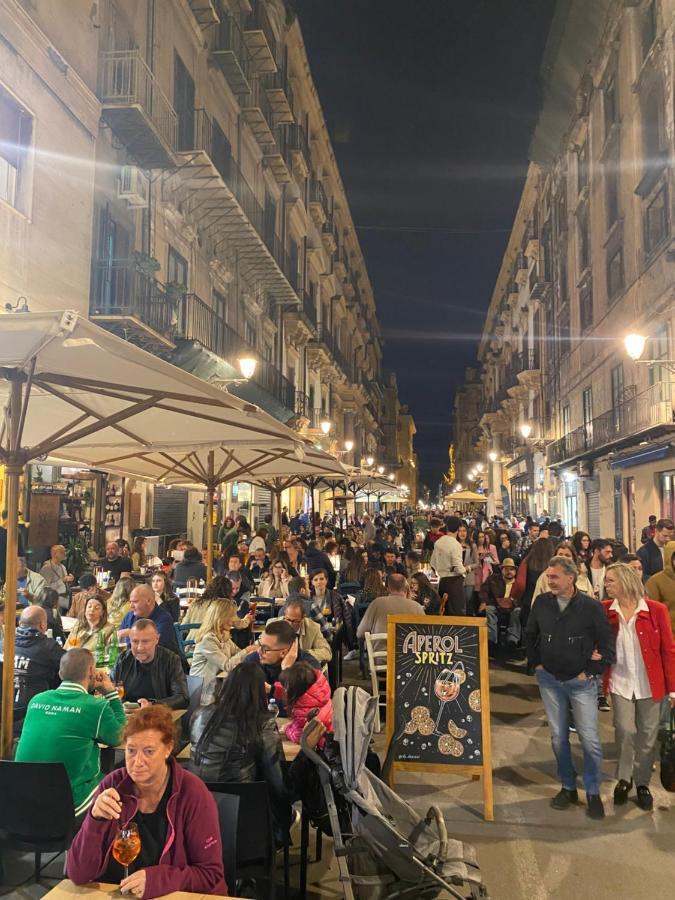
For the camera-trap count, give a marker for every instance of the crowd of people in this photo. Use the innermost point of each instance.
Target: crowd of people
(591, 620)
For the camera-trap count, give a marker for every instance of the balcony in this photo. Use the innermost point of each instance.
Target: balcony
(648, 413)
(280, 97)
(197, 321)
(329, 236)
(301, 405)
(132, 304)
(326, 349)
(231, 56)
(318, 203)
(341, 263)
(257, 112)
(274, 157)
(205, 12)
(222, 204)
(522, 270)
(137, 110)
(260, 39)
(295, 148)
(270, 379)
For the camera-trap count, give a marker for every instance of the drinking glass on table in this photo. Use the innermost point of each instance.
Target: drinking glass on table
(119, 687)
(127, 845)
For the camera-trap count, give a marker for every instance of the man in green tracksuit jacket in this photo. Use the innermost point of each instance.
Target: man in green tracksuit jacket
(64, 725)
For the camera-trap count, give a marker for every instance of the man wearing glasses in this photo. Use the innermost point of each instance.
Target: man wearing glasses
(310, 638)
(278, 648)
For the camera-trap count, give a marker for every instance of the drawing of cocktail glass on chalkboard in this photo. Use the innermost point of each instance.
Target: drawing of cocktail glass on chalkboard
(447, 687)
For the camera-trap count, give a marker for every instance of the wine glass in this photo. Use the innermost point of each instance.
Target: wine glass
(127, 845)
(446, 688)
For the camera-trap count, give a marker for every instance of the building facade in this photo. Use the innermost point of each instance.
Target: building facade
(581, 429)
(398, 428)
(165, 168)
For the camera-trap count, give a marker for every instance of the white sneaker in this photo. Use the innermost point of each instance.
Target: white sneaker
(353, 654)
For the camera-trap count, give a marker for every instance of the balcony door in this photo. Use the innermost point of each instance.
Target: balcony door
(112, 288)
(184, 104)
(588, 417)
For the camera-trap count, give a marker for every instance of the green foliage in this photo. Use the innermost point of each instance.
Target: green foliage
(77, 557)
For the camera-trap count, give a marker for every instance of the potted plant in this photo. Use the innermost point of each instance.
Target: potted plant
(144, 263)
(77, 557)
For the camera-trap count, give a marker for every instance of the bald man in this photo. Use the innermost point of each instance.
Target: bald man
(36, 659)
(144, 606)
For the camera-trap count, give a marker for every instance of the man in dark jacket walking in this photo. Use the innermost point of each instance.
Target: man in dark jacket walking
(650, 553)
(569, 644)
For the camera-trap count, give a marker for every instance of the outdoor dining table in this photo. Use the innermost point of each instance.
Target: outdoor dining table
(66, 889)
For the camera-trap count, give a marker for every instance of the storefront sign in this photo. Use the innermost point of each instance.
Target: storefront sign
(438, 699)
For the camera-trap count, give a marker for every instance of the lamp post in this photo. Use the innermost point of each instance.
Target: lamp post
(525, 430)
(325, 425)
(634, 345)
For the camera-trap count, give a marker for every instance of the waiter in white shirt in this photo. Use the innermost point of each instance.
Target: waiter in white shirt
(446, 559)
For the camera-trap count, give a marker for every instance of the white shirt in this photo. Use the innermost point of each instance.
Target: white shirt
(629, 676)
(447, 557)
(598, 578)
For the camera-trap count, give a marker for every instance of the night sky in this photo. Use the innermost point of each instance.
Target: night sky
(431, 106)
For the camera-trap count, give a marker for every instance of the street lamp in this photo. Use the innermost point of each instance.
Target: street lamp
(369, 461)
(390, 476)
(247, 366)
(471, 476)
(325, 425)
(349, 446)
(479, 467)
(526, 430)
(634, 345)
(492, 456)
(380, 470)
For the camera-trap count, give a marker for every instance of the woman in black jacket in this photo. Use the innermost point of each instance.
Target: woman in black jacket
(236, 739)
(192, 566)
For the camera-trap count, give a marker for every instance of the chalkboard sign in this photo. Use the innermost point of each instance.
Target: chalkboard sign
(438, 698)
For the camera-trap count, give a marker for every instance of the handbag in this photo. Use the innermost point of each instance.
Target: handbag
(520, 584)
(668, 756)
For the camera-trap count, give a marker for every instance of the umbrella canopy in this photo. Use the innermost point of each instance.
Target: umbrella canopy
(69, 388)
(467, 496)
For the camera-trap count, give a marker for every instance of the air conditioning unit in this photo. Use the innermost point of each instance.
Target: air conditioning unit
(134, 187)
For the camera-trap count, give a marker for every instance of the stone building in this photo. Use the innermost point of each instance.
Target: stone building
(165, 168)
(589, 261)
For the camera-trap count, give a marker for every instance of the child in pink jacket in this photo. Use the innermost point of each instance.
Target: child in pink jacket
(306, 689)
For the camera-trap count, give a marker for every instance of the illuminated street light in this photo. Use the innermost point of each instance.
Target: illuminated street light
(492, 456)
(369, 461)
(526, 430)
(247, 366)
(635, 345)
(459, 487)
(325, 425)
(471, 476)
(479, 467)
(349, 446)
(390, 476)
(380, 470)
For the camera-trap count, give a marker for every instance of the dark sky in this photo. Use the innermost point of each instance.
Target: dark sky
(431, 106)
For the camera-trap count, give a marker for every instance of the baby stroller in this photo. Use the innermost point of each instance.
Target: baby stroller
(383, 848)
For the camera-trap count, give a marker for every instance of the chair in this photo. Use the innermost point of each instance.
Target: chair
(263, 613)
(36, 813)
(185, 644)
(247, 834)
(349, 587)
(377, 663)
(195, 684)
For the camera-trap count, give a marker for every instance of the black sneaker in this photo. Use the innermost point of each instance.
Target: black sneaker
(564, 799)
(621, 792)
(644, 798)
(595, 808)
(603, 704)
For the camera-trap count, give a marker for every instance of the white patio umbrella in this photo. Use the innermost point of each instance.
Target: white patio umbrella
(71, 389)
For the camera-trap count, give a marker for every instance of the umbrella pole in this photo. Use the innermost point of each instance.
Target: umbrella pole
(13, 482)
(209, 516)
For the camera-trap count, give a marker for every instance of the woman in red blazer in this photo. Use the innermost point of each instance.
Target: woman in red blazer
(643, 674)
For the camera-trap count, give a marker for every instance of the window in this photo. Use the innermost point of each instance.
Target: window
(617, 396)
(656, 218)
(221, 151)
(293, 260)
(16, 132)
(654, 142)
(659, 348)
(184, 104)
(220, 306)
(586, 305)
(566, 419)
(584, 240)
(587, 402)
(177, 269)
(564, 328)
(648, 27)
(615, 276)
(249, 333)
(270, 219)
(582, 167)
(612, 172)
(610, 105)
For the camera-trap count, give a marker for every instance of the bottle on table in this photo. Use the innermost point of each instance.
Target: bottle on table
(100, 650)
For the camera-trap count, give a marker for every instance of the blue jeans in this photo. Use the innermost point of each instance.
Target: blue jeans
(583, 698)
(514, 630)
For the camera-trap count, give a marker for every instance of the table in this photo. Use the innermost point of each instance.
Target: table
(66, 889)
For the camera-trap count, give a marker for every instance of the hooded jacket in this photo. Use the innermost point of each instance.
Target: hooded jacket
(317, 696)
(192, 858)
(36, 665)
(661, 586)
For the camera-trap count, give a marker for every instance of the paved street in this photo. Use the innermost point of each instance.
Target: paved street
(530, 852)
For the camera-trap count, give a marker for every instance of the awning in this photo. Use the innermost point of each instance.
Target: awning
(638, 458)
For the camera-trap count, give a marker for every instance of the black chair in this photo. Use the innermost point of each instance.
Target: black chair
(249, 849)
(36, 812)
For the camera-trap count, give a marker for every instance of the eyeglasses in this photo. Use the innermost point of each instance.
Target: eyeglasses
(263, 648)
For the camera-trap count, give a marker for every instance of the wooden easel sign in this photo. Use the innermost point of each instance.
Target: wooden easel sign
(438, 697)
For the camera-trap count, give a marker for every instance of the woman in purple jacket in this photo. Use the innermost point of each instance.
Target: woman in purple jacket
(177, 819)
